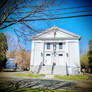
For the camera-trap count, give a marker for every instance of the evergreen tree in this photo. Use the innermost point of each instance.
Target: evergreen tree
(90, 56)
(3, 49)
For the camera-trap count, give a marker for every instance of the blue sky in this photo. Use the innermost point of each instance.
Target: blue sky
(80, 25)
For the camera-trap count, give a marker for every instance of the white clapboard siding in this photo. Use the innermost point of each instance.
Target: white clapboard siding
(38, 49)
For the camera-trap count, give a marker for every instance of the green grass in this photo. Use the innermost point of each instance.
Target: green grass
(72, 77)
(31, 75)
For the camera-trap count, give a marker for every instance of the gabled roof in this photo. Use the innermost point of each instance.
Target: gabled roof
(52, 29)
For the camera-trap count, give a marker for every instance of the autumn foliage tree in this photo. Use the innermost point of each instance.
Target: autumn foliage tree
(3, 49)
(21, 56)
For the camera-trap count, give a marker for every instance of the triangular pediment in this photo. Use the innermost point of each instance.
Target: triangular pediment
(55, 33)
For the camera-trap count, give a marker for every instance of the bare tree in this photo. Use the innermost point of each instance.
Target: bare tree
(15, 11)
(20, 12)
(31, 10)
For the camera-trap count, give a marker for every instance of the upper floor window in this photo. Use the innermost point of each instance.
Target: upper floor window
(48, 45)
(60, 45)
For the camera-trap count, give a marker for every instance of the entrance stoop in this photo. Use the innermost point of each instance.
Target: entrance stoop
(49, 76)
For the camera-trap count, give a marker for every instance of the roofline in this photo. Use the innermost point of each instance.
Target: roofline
(63, 38)
(50, 29)
(41, 32)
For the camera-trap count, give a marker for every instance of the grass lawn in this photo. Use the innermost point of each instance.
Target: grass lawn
(31, 75)
(72, 77)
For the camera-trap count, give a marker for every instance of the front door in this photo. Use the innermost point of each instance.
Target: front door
(48, 58)
(60, 59)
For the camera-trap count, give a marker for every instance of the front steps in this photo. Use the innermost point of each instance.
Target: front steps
(49, 76)
(57, 70)
(45, 70)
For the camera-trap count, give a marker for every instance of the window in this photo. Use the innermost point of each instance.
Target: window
(60, 45)
(60, 54)
(47, 54)
(48, 45)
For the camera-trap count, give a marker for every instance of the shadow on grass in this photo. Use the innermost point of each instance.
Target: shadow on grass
(41, 85)
(13, 89)
(22, 89)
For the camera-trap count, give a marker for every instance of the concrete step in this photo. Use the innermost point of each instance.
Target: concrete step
(45, 70)
(58, 70)
(49, 76)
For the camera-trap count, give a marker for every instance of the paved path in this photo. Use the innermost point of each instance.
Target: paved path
(10, 79)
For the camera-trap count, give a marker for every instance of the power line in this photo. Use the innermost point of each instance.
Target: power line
(74, 12)
(61, 8)
(58, 17)
(52, 15)
(70, 8)
(48, 19)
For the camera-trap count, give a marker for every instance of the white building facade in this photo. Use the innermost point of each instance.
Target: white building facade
(55, 51)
